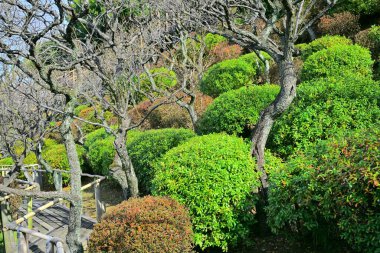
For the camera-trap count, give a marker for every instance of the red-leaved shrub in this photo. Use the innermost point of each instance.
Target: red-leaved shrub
(344, 23)
(144, 225)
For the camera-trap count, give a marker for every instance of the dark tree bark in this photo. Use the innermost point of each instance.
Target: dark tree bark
(288, 82)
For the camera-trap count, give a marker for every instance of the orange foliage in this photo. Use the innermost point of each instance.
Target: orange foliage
(145, 225)
(344, 23)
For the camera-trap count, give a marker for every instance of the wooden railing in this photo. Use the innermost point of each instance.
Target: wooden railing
(33, 173)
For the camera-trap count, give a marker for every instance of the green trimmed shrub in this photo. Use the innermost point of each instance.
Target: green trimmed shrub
(98, 134)
(255, 61)
(213, 176)
(227, 75)
(322, 43)
(79, 108)
(144, 225)
(151, 145)
(337, 61)
(6, 161)
(56, 157)
(100, 155)
(211, 40)
(374, 34)
(359, 6)
(237, 111)
(101, 151)
(164, 78)
(323, 108)
(333, 185)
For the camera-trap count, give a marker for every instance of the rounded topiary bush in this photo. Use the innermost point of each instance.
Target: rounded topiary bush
(213, 175)
(56, 157)
(337, 61)
(324, 107)
(144, 225)
(163, 78)
(150, 146)
(331, 186)
(237, 111)
(322, 43)
(101, 151)
(227, 75)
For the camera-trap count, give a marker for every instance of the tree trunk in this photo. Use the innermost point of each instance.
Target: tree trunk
(73, 234)
(288, 81)
(122, 157)
(117, 173)
(311, 33)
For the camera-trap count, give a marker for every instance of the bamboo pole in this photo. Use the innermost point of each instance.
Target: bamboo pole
(30, 209)
(91, 184)
(39, 209)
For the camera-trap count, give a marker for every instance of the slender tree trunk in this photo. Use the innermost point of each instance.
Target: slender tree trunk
(122, 158)
(73, 235)
(190, 108)
(311, 32)
(288, 81)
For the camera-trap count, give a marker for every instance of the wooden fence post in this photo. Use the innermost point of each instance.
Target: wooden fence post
(49, 247)
(38, 178)
(8, 235)
(23, 244)
(29, 210)
(57, 178)
(100, 206)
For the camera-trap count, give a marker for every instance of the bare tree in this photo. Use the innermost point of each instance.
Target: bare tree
(23, 122)
(25, 28)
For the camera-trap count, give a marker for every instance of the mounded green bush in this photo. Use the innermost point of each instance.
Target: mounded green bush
(163, 78)
(100, 155)
(255, 61)
(374, 34)
(148, 147)
(323, 108)
(144, 225)
(333, 185)
(237, 111)
(359, 6)
(227, 75)
(213, 175)
(6, 161)
(56, 157)
(94, 136)
(101, 151)
(322, 43)
(211, 40)
(337, 61)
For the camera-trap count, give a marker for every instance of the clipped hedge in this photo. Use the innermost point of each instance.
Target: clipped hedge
(101, 151)
(148, 147)
(56, 157)
(237, 111)
(144, 225)
(333, 186)
(212, 40)
(359, 6)
(213, 176)
(337, 61)
(323, 108)
(163, 78)
(322, 43)
(227, 75)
